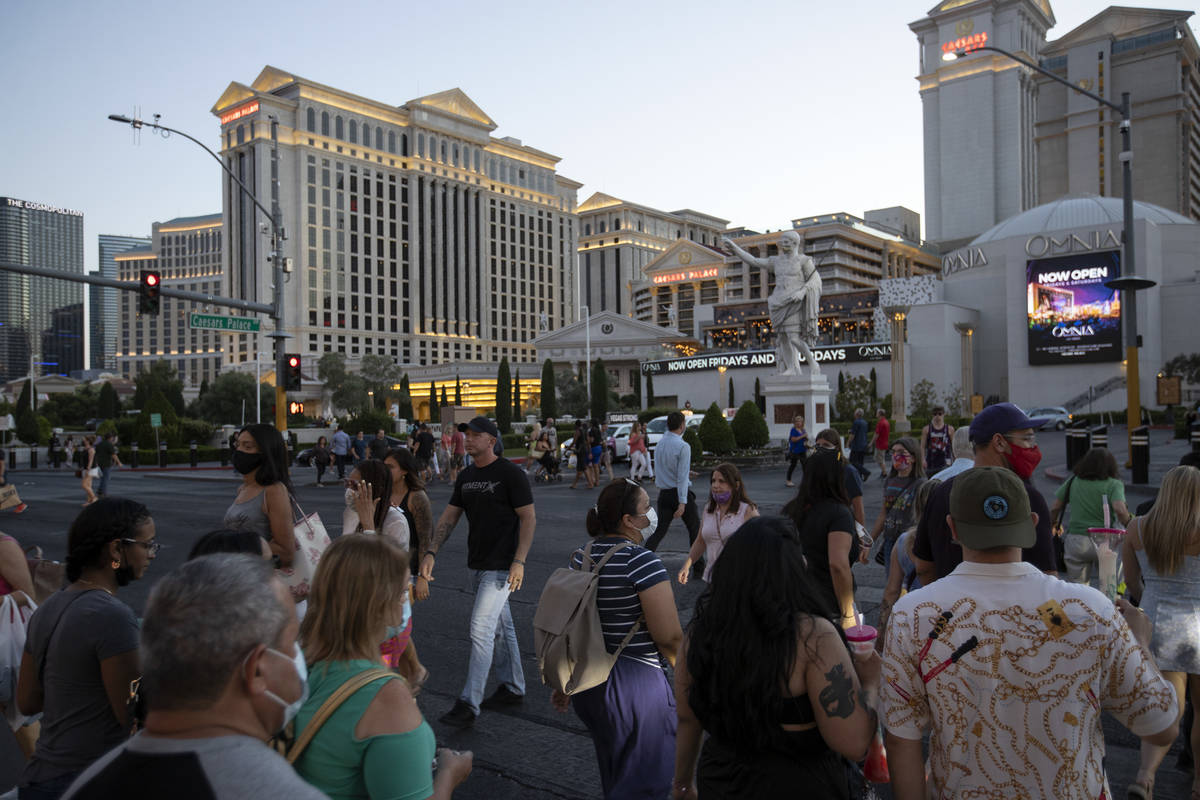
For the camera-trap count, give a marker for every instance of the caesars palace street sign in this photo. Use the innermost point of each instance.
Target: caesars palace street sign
(837, 354)
(1036, 246)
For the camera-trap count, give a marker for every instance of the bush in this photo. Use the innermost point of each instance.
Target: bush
(749, 427)
(693, 439)
(514, 442)
(651, 413)
(715, 433)
(28, 430)
(370, 421)
(194, 430)
(923, 398)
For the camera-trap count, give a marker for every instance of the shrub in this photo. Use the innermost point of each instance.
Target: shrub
(749, 427)
(27, 426)
(693, 439)
(370, 421)
(715, 433)
(651, 413)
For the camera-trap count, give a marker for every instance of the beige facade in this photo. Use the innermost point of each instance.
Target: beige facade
(187, 254)
(618, 239)
(1150, 53)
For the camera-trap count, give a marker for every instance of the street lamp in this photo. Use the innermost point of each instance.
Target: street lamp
(1131, 282)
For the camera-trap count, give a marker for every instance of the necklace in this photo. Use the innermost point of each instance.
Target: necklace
(96, 586)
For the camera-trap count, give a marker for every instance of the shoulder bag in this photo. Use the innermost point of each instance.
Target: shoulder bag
(343, 693)
(1060, 557)
(311, 542)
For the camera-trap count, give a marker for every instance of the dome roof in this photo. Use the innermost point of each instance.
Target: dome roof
(1077, 211)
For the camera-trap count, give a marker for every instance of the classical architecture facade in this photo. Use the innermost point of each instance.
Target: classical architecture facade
(412, 230)
(104, 313)
(187, 253)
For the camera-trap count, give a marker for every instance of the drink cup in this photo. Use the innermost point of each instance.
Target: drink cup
(1108, 553)
(862, 638)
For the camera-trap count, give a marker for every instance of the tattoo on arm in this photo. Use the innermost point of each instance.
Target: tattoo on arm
(837, 699)
(442, 532)
(423, 520)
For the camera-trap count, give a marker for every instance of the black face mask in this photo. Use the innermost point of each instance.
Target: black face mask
(245, 463)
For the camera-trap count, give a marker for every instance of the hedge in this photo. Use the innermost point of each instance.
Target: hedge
(651, 413)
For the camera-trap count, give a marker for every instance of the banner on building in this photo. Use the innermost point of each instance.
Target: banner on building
(836, 354)
(1073, 317)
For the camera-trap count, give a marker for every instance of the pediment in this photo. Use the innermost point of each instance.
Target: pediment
(950, 5)
(597, 201)
(455, 103)
(270, 79)
(609, 329)
(684, 254)
(1118, 22)
(234, 93)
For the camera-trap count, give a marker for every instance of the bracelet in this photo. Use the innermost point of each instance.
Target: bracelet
(430, 553)
(518, 561)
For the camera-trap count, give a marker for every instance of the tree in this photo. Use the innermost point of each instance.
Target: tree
(749, 426)
(516, 396)
(693, 440)
(874, 389)
(572, 394)
(759, 400)
(26, 398)
(404, 402)
(331, 369)
(923, 398)
(953, 401)
(109, 405)
(27, 426)
(351, 394)
(715, 433)
(457, 391)
(503, 397)
(1185, 366)
(203, 386)
(444, 402)
(855, 393)
(841, 380)
(72, 408)
(230, 392)
(160, 377)
(650, 390)
(731, 401)
(435, 409)
(549, 399)
(599, 407)
(433, 403)
(381, 375)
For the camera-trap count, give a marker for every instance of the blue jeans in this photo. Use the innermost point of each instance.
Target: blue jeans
(103, 488)
(492, 632)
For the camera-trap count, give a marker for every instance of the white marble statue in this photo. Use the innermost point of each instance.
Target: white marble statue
(794, 305)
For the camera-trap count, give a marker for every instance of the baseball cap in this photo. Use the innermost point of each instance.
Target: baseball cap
(1001, 418)
(990, 508)
(481, 425)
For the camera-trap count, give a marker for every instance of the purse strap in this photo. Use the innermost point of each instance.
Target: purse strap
(332, 704)
(1066, 501)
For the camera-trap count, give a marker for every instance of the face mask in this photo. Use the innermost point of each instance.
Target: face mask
(291, 709)
(245, 463)
(722, 498)
(1023, 460)
(349, 497)
(395, 630)
(651, 523)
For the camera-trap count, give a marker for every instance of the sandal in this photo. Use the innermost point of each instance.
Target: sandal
(1141, 790)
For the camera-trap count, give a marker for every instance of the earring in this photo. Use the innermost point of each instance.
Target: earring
(116, 564)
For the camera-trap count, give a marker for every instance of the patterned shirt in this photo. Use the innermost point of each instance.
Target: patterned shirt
(632, 570)
(1019, 714)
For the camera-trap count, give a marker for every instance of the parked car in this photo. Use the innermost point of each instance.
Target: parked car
(656, 427)
(617, 437)
(1056, 417)
(304, 457)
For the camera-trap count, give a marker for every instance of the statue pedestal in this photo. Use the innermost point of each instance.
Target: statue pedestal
(789, 395)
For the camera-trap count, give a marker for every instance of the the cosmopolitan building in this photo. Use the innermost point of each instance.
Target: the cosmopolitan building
(104, 311)
(41, 319)
(187, 253)
(412, 230)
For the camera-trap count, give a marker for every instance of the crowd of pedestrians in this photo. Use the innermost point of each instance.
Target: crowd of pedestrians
(238, 683)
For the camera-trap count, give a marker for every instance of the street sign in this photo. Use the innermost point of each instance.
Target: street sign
(1170, 390)
(220, 322)
(156, 420)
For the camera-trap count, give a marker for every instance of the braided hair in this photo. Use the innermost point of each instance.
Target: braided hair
(98, 524)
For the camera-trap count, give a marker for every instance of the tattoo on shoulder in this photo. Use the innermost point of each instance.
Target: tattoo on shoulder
(837, 699)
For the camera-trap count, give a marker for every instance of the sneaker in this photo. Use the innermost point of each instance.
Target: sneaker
(461, 716)
(502, 698)
(20, 509)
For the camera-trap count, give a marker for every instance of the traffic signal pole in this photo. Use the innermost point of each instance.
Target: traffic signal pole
(279, 336)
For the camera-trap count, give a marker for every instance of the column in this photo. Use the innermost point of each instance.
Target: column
(966, 335)
(471, 269)
(426, 250)
(898, 316)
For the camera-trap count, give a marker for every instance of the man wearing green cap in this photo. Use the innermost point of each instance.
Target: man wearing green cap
(1009, 668)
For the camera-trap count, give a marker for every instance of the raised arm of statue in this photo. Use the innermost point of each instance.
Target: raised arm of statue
(753, 261)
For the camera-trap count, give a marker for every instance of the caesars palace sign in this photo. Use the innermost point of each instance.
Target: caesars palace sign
(837, 354)
(1036, 246)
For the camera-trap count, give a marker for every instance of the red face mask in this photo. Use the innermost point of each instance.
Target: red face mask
(1023, 460)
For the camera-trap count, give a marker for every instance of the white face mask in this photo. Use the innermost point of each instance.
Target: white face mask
(395, 630)
(291, 709)
(651, 523)
(349, 497)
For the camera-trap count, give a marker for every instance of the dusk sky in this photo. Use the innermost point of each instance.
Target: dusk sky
(757, 112)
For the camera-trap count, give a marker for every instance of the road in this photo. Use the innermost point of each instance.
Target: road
(532, 751)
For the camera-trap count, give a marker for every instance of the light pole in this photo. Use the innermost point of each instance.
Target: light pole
(587, 328)
(1130, 283)
(278, 235)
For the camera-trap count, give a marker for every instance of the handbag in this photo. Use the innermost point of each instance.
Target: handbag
(311, 542)
(1060, 546)
(9, 497)
(47, 575)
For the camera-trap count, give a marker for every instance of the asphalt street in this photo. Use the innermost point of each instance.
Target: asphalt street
(530, 751)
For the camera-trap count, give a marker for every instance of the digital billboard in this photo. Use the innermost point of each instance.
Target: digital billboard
(1073, 317)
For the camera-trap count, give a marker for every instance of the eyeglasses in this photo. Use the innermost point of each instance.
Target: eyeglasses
(152, 546)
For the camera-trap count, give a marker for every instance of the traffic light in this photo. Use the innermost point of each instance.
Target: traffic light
(292, 375)
(295, 408)
(149, 302)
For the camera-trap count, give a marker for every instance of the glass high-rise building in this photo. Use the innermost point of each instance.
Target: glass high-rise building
(105, 310)
(41, 319)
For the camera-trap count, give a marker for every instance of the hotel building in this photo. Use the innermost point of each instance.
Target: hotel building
(104, 311)
(412, 230)
(187, 252)
(41, 319)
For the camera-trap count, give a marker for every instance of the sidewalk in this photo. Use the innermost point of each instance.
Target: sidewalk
(1165, 451)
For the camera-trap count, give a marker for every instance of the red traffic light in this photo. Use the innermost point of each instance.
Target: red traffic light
(151, 279)
(294, 362)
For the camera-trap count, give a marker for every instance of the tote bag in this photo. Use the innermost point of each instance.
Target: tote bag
(311, 542)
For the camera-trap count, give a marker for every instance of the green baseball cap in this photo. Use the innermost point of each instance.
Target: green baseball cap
(990, 508)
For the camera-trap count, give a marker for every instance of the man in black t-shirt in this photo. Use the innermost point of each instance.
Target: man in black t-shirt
(495, 494)
(424, 442)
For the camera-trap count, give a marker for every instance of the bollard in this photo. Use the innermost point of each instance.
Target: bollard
(1077, 442)
(162, 454)
(12, 458)
(195, 455)
(32, 456)
(1099, 435)
(133, 462)
(1196, 437)
(1139, 454)
(224, 455)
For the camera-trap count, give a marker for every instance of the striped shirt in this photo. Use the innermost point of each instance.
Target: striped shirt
(633, 569)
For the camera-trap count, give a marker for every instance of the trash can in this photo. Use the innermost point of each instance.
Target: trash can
(162, 454)
(1139, 454)
(195, 454)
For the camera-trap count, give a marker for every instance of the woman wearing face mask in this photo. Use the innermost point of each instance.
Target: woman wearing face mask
(376, 744)
(408, 495)
(263, 503)
(728, 507)
(81, 652)
(631, 716)
(899, 493)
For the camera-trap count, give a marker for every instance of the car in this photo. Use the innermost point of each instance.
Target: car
(304, 457)
(656, 427)
(1056, 417)
(617, 437)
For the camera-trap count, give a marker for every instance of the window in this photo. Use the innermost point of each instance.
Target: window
(339, 127)
(391, 141)
(378, 138)
(354, 132)
(324, 123)
(311, 120)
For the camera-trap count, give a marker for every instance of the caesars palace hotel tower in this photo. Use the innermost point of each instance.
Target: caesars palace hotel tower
(411, 231)
(979, 113)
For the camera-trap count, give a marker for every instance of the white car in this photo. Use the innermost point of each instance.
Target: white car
(617, 437)
(656, 427)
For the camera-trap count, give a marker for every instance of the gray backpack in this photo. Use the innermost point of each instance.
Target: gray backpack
(566, 628)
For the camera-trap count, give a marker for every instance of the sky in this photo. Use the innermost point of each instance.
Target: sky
(758, 111)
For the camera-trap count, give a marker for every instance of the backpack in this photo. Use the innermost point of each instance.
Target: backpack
(567, 636)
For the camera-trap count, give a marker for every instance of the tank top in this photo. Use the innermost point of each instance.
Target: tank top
(414, 541)
(249, 516)
(716, 530)
(938, 448)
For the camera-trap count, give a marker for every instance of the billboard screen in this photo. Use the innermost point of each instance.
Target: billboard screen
(1073, 317)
